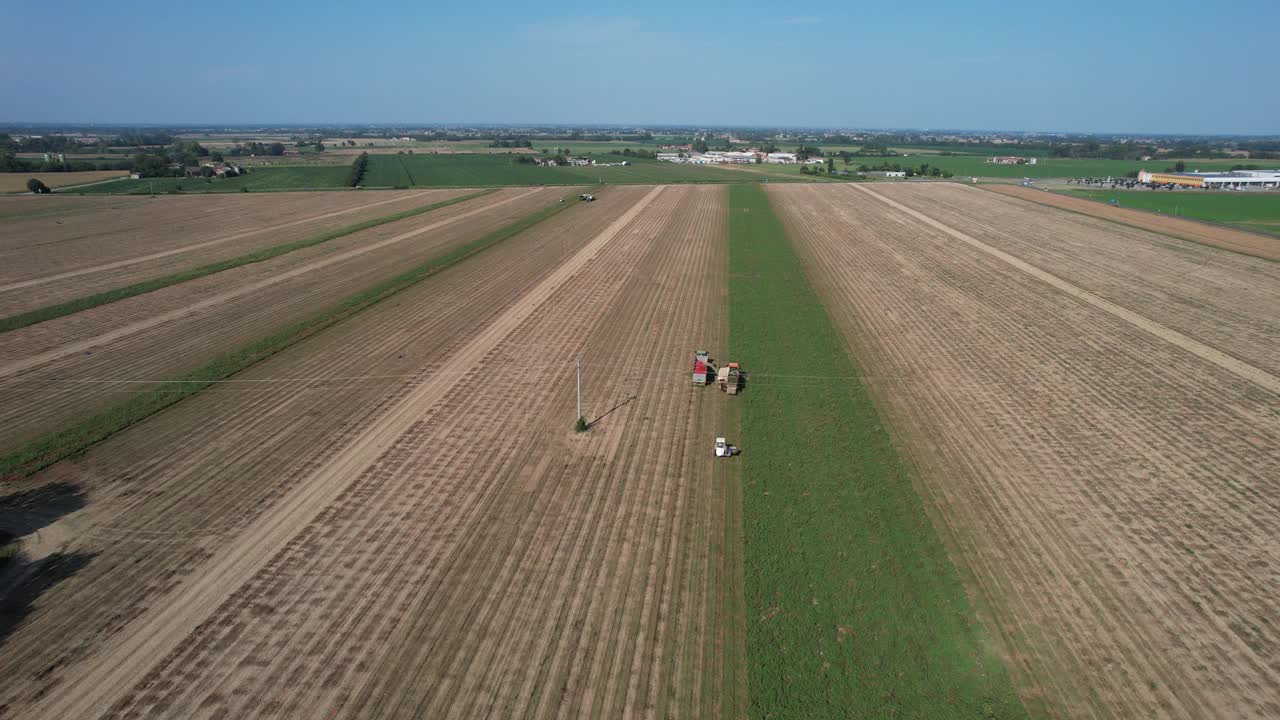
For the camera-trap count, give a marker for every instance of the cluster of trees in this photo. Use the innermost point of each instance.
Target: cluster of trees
(512, 143)
(358, 169)
(804, 152)
(171, 161)
(922, 170)
(636, 152)
(257, 148)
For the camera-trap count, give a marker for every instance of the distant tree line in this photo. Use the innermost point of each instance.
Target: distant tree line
(512, 143)
(922, 170)
(636, 153)
(257, 148)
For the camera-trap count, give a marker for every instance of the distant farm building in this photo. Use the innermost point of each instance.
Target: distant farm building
(1012, 160)
(1234, 180)
(780, 157)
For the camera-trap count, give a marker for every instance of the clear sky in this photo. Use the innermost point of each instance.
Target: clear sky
(1116, 66)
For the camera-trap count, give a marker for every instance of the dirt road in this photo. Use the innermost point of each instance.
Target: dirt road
(1109, 490)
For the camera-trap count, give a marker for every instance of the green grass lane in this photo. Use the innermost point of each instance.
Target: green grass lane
(853, 607)
(57, 445)
(75, 305)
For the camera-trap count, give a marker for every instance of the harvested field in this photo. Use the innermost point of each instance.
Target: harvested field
(17, 182)
(1243, 242)
(1226, 300)
(1106, 480)
(53, 258)
(414, 530)
(78, 365)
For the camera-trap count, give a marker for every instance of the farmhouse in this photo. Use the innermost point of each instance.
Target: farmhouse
(1234, 180)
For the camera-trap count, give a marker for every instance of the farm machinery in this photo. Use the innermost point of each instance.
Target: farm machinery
(729, 378)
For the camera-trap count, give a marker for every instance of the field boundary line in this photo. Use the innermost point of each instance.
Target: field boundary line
(159, 631)
(106, 297)
(136, 327)
(187, 248)
(1224, 361)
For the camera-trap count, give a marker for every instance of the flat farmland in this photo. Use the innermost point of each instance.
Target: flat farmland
(266, 178)
(1100, 456)
(1226, 300)
(1260, 211)
(462, 170)
(414, 529)
(75, 366)
(53, 257)
(17, 182)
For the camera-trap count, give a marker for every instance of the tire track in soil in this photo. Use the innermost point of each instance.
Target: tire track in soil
(158, 633)
(188, 509)
(1111, 504)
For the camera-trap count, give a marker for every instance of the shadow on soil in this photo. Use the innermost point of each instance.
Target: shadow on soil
(23, 579)
(613, 409)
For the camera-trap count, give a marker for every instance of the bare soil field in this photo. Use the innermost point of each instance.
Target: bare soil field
(17, 182)
(56, 371)
(15, 208)
(1236, 240)
(1107, 483)
(50, 259)
(394, 518)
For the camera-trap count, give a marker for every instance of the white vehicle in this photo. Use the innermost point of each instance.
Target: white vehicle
(722, 448)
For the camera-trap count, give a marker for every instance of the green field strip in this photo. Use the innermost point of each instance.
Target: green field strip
(853, 606)
(43, 452)
(75, 305)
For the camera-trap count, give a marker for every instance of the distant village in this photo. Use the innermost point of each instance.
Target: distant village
(687, 154)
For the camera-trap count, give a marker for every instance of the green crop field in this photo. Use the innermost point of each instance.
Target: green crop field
(259, 179)
(1256, 211)
(473, 170)
(853, 606)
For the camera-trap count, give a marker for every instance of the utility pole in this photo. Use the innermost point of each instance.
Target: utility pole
(579, 387)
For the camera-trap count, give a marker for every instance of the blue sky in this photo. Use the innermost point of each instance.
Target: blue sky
(1116, 66)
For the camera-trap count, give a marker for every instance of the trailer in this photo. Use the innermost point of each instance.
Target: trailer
(703, 368)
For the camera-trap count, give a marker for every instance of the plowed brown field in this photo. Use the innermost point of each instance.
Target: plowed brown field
(1097, 433)
(1237, 240)
(53, 258)
(394, 519)
(56, 371)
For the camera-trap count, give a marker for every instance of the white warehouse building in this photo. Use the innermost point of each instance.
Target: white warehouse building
(1233, 180)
